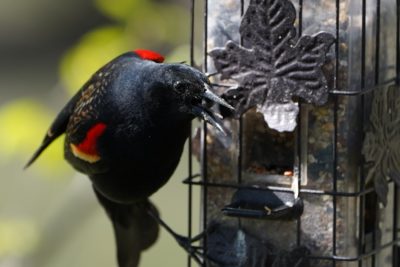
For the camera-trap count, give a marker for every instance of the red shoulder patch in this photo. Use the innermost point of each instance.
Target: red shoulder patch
(149, 55)
(87, 150)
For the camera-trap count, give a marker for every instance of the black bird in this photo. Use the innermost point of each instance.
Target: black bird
(126, 128)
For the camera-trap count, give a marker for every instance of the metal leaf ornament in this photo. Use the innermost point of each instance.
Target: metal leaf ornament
(381, 147)
(273, 65)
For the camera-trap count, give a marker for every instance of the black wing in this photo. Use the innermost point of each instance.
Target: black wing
(96, 86)
(57, 128)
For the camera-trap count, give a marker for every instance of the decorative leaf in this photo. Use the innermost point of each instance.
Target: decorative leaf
(381, 148)
(395, 175)
(273, 65)
(381, 186)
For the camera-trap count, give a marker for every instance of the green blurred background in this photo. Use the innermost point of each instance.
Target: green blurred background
(48, 49)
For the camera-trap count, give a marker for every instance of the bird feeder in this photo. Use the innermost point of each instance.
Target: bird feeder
(309, 172)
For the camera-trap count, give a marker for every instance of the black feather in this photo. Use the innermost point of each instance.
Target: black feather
(57, 128)
(146, 109)
(135, 230)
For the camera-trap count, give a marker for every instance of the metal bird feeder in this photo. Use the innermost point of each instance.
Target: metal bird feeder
(310, 172)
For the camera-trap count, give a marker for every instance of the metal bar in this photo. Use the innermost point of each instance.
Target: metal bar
(282, 189)
(396, 250)
(359, 257)
(377, 78)
(205, 184)
(364, 90)
(190, 163)
(240, 131)
(335, 123)
(337, 46)
(398, 42)
(300, 29)
(204, 137)
(334, 175)
(361, 220)
(240, 150)
(299, 179)
(396, 196)
(377, 40)
(299, 136)
(240, 121)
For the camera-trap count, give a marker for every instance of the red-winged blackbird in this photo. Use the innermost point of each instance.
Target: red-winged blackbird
(126, 128)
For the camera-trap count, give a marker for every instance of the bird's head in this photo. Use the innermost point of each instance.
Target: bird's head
(192, 93)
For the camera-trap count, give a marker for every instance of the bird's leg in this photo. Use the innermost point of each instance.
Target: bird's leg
(186, 243)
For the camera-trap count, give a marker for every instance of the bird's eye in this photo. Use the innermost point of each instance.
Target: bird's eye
(180, 86)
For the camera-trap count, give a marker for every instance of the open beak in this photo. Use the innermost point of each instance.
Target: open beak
(208, 94)
(208, 115)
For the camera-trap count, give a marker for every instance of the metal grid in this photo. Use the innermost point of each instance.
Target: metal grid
(365, 256)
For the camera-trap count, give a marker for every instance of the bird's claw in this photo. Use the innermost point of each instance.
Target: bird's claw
(196, 252)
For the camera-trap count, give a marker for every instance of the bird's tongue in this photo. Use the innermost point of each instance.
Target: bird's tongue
(209, 117)
(200, 111)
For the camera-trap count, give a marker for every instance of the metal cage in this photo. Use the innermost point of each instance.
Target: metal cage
(327, 192)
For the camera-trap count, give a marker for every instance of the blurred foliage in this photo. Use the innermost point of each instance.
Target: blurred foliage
(17, 237)
(134, 24)
(118, 9)
(24, 123)
(94, 50)
(139, 25)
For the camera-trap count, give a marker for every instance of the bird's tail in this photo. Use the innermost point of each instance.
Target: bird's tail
(135, 230)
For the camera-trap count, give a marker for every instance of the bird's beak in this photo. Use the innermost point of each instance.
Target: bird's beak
(208, 94)
(208, 115)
